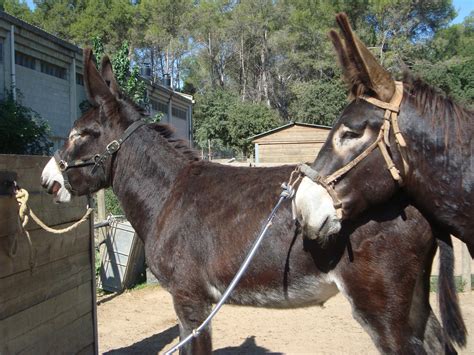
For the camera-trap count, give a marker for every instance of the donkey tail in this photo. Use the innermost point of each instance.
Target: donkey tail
(451, 317)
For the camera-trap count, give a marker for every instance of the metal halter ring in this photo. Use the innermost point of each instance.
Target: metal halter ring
(62, 165)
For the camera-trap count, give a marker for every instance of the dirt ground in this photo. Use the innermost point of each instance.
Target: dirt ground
(143, 322)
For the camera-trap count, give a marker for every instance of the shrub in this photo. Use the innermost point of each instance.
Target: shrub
(23, 131)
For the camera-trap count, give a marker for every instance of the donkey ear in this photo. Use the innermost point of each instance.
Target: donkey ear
(96, 89)
(360, 67)
(108, 75)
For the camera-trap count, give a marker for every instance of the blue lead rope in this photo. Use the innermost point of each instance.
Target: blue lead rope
(288, 192)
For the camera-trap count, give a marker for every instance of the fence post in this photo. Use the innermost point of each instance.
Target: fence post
(466, 268)
(101, 205)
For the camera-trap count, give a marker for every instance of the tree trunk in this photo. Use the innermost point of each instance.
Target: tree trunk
(264, 78)
(243, 77)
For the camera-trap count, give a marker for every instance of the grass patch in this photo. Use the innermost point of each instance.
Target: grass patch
(457, 280)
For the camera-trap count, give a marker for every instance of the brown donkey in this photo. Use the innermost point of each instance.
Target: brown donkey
(197, 221)
(392, 139)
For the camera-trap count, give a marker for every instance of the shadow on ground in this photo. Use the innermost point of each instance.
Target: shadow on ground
(156, 343)
(150, 345)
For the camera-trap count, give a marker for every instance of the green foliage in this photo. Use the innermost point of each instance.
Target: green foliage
(22, 129)
(318, 101)
(222, 117)
(448, 62)
(112, 204)
(128, 76)
(247, 119)
(235, 55)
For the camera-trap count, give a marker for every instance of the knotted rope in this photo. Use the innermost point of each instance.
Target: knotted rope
(24, 213)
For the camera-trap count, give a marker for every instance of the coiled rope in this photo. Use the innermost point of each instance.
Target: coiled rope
(24, 214)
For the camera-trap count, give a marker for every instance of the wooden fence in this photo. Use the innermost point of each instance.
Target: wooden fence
(51, 307)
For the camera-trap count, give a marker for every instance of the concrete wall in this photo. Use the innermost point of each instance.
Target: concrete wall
(58, 100)
(55, 99)
(47, 95)
(171, 99)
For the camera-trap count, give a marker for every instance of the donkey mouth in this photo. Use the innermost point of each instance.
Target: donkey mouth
(54, 188)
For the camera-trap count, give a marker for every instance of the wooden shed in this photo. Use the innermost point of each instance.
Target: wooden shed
(291, 143)
(48, 308)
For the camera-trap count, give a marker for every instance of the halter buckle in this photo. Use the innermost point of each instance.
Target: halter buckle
(112, 147)
(62, 165)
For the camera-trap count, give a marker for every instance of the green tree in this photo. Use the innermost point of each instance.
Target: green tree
(224, 119)
(127, 75)
(247, 119)
(318, 101)
(22, 129)
(18, 8)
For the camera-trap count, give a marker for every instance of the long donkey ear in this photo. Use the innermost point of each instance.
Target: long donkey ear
(361, 69)
(108, 75)
(97, 91)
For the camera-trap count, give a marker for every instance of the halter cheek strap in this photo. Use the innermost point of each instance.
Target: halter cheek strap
(97, 160)
(382, 142)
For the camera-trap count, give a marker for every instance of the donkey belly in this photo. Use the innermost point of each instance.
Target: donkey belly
(307, 290)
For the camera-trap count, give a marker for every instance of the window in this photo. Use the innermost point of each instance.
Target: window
(179, 113)
(53, 70)
(159, 106)
(79, 79)
(24, 60)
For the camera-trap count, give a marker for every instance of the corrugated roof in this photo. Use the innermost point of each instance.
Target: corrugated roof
(288, 125)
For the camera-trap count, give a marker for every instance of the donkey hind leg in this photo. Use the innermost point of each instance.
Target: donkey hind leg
(435, 342)
(388, 335)
(191, 313)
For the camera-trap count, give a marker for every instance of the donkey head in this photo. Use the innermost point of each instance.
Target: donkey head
(354, 132)
(84, 164)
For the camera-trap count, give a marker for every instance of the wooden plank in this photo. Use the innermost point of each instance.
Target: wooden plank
(64, 340)
(51, 310)
(88, 350)
(28, 169)
(32, 324)
(48, 248)
(295, 134)
(42, 204)
(23, 290)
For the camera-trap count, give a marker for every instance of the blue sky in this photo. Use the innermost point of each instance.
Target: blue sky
(463, 7)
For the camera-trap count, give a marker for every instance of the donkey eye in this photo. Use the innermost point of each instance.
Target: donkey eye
(74, 136)
(350, 134)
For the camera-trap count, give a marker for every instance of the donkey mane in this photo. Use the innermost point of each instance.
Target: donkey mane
(430, 100)
(165, 130)
(434, 103)
(181, 145)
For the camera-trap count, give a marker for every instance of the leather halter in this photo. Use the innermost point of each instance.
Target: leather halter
(382, 142)
(97, 160)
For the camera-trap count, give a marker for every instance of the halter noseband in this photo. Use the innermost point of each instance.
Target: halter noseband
(97, 160)
(382, 142)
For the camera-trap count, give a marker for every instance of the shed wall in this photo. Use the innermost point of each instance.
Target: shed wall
(294, 144)
(51, 308)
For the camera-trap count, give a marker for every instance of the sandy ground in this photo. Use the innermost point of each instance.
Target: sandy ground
(143, 322)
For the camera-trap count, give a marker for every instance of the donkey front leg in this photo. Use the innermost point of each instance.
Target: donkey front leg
(191, 313)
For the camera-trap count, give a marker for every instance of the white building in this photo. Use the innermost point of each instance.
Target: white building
(47, 72)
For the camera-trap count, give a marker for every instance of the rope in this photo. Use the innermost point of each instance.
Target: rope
(24, 213)
(22, 198)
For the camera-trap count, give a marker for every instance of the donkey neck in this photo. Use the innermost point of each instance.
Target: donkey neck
(143, 174)
(441, 178)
